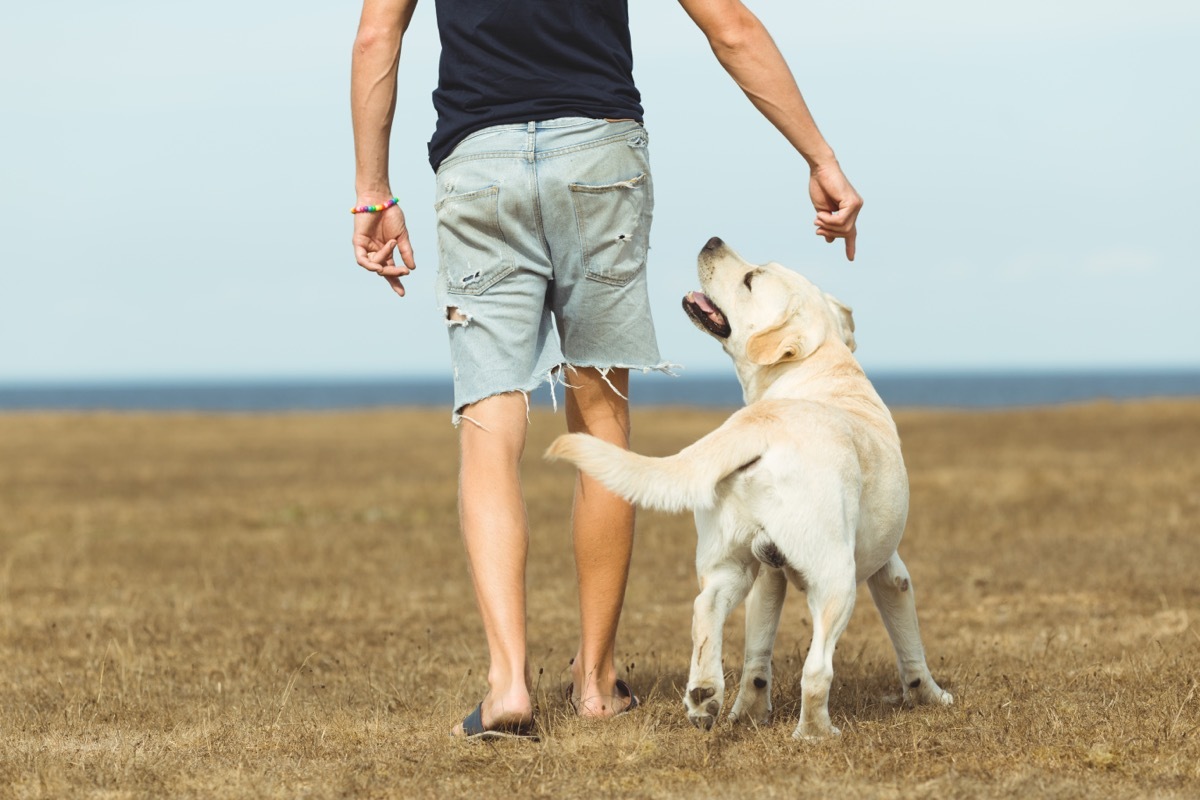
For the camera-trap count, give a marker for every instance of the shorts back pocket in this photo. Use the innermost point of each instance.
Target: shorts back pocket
(474, 255)
(614, 227)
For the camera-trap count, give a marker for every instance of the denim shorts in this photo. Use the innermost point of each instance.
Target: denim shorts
(543, 230)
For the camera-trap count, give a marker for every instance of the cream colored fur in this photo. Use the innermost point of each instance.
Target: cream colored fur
(805, 484)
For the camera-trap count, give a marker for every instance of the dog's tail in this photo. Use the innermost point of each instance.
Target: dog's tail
(686, 480)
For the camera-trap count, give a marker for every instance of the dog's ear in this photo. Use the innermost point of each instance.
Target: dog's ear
(784, 342)
(845, 320)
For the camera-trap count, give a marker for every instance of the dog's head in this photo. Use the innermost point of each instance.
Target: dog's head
(763, 315)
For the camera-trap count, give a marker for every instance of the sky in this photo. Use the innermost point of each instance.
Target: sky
(175, 182)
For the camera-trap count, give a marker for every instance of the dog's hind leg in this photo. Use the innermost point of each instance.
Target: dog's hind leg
(725, 579)
(763, 607)
(831, 594)
(724, 587)
(893, 593)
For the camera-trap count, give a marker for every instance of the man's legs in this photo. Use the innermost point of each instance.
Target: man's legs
(495, 531)
(602, 524)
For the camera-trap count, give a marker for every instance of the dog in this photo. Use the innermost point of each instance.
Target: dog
(806, 484)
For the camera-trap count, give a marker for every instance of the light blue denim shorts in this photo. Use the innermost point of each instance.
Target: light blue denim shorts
(543, 230)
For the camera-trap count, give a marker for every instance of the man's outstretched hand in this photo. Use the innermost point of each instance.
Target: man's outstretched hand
(837, 205)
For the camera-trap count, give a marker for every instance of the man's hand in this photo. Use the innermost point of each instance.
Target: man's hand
(378, 236)
(748, 53)
(376, 239)
(837, 205)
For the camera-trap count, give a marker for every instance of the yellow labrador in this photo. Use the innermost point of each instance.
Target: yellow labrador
(805, 483)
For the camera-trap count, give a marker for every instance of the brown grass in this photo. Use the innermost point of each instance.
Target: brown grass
(278, 606)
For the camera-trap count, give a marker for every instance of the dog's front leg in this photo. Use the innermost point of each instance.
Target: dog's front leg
(763, 607)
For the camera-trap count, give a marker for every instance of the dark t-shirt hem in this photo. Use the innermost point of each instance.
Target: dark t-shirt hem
(447, 143)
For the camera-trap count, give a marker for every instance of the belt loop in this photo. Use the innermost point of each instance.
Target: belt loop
(530, 146)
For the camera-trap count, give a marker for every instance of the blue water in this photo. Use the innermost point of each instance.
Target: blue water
(899, 390)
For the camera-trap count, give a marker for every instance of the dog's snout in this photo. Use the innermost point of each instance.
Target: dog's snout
(714, 243)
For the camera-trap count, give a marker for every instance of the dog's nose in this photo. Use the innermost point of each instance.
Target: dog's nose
(713, 243)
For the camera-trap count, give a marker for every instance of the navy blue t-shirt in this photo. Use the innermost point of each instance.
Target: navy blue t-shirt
(506, 61)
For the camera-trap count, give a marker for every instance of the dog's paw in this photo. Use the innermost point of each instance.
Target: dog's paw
(703, 705)
(753, 704)
(925, 692)
(811, 732)
(942, 697)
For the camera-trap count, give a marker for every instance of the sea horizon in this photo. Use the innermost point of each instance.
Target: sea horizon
(938, 388)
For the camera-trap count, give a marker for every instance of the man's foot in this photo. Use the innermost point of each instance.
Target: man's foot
(487, 721)
(600, 706)
(473, 728)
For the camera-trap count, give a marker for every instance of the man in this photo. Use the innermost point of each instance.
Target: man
(544, 202)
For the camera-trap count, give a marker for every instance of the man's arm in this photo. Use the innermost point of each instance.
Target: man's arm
(748, 53)
(376, 58)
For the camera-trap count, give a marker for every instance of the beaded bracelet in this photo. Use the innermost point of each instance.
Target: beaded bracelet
(375, 209)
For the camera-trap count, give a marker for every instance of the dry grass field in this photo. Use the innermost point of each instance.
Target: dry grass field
(277, 606)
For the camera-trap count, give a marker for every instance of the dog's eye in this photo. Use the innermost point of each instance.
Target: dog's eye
(749, 277)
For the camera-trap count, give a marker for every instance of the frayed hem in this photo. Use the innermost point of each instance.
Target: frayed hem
(457, 417)
(664, 367)
(554, 378)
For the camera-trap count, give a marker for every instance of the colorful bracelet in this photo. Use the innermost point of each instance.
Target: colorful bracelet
(375, 209)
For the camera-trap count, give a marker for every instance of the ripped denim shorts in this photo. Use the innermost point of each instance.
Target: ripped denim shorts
(543, 230)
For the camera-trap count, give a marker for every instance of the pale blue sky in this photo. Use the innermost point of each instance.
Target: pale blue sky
(175, 179)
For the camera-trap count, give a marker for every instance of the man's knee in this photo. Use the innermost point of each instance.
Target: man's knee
(495, 425)
(597, 403)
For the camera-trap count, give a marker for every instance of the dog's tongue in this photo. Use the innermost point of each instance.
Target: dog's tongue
(706, 305)
(701, 299)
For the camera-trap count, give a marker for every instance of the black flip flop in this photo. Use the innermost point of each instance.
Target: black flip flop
(473, 728)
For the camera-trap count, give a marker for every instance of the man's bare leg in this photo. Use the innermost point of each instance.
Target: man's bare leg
(602, 524)
(494, 527)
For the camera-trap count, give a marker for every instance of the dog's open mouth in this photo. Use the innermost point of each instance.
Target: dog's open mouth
(706, 315)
